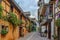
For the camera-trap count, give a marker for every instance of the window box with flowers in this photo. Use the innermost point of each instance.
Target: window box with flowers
(4, 30)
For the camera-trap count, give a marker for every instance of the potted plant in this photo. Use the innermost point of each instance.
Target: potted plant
(55, 36)
(4, 32)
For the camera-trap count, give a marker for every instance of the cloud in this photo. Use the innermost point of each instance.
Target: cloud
(32, 16)
(46, 1)
(29, 5)
(36, 0)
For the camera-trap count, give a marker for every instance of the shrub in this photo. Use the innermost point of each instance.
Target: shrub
(1, 11)
(5, 18)
(30, 27)
(54, 36)
(13, 19)
(57, 22)
(4, 32)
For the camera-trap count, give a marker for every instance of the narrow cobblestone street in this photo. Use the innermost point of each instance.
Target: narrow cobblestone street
(33, 36)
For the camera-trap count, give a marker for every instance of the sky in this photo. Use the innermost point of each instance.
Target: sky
(46, 1)
(29, 5)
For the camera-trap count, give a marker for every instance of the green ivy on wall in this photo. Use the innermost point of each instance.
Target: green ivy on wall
(30, 27)
(1, 11)
(5, 18)
(13, 19)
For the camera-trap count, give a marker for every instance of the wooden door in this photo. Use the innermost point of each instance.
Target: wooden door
(58, 33)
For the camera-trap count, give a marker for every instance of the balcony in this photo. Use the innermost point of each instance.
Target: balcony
(43, 20)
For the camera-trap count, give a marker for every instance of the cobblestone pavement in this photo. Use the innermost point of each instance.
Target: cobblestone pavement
(33, 36)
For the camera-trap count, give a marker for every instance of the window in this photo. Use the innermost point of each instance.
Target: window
(4, 29)
(3, 4)
(11, 7)
(21, 17)
(0, 28)
(4, 12)
(7, 8)
(39, 0)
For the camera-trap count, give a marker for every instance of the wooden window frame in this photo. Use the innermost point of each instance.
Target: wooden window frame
(11, 8)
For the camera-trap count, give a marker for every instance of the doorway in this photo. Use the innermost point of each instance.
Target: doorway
(58, 33)
(21, 31)
(49, 30)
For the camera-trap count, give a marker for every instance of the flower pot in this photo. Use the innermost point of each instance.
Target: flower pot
(4, 32)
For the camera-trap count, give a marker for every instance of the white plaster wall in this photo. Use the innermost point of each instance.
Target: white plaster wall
(52, 29)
